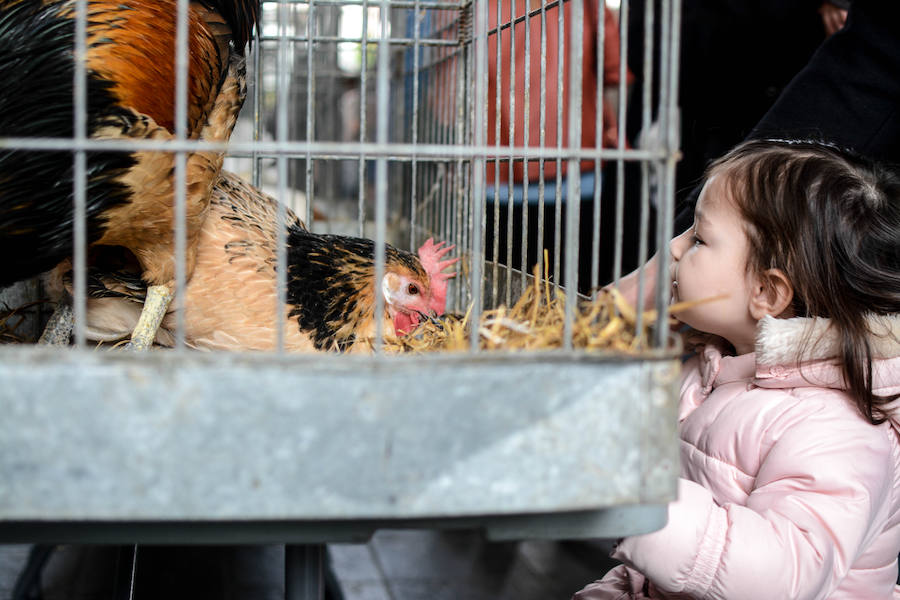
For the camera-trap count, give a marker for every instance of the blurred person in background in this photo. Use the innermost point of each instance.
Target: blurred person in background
(847, 94)
(736, 59)
(555, 72)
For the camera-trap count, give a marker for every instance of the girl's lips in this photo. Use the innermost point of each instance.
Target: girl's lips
(673, 278)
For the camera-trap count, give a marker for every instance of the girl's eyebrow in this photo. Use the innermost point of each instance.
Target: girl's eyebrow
(698, 216)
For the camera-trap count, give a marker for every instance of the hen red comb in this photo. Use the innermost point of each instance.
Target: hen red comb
(431, 254)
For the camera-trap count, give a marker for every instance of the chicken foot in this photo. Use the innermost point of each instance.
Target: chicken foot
(155, 306)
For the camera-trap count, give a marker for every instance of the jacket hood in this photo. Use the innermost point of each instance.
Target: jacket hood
(780, 341)
(783, 343)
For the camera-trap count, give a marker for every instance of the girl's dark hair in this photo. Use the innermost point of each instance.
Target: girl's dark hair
(830, 220)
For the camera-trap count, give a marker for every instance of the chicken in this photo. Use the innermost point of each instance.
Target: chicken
(130, 95)
(230, 301)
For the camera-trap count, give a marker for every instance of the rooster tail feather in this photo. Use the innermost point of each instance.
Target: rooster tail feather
(36, 187)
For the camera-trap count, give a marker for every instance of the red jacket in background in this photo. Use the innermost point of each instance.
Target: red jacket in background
(553, 82)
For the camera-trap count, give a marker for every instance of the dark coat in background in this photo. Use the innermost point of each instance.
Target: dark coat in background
(736, 58)
(847, 94)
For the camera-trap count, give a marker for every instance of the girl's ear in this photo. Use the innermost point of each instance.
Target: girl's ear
(772, 295)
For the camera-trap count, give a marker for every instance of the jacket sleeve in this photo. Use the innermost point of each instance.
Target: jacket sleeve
(818, 502)
(620, 583)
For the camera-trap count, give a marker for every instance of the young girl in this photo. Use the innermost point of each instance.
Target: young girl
(789, 417)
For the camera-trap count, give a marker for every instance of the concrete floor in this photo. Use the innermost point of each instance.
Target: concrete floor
(394, 565)
(414, 565)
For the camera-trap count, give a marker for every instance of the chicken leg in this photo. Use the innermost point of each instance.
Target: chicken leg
(59, 328)
(155, 306)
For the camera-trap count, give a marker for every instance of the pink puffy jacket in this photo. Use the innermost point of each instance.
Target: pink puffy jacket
(786, 491)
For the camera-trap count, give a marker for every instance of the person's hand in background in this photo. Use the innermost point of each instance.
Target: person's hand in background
(629, 285)
(834, 15)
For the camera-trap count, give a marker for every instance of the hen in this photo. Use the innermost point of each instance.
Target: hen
(230, 301)
(130, 95)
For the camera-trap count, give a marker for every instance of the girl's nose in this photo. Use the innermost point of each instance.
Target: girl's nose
(678, 244)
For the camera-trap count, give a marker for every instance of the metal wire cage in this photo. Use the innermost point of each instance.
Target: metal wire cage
(395, 120)
(420, 143)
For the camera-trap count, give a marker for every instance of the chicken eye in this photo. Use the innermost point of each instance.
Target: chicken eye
(412, 289)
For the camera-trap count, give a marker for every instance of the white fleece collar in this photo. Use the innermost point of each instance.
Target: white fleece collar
(780, 341)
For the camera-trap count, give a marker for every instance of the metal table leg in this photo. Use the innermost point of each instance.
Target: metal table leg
(126, 564)
(303, 572)
(28, 584)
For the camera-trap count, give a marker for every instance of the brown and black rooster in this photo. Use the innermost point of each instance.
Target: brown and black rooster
(230, 301)
(130, 63)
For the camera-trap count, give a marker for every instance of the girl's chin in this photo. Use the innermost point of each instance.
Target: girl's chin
(673, 292)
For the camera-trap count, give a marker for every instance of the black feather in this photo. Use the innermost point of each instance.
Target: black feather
(36, 187)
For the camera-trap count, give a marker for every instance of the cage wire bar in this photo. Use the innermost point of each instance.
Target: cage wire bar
(181, 111)
(79, 259)
(405, 143)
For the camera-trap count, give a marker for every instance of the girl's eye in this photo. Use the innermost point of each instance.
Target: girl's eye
(695, 240)
(412, 290)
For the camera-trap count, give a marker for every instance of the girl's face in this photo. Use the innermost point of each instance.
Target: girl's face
(708, 261)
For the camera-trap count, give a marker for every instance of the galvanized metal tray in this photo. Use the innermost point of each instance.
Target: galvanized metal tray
(103, 446)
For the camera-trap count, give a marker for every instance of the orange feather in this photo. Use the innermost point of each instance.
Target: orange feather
(141, 59)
